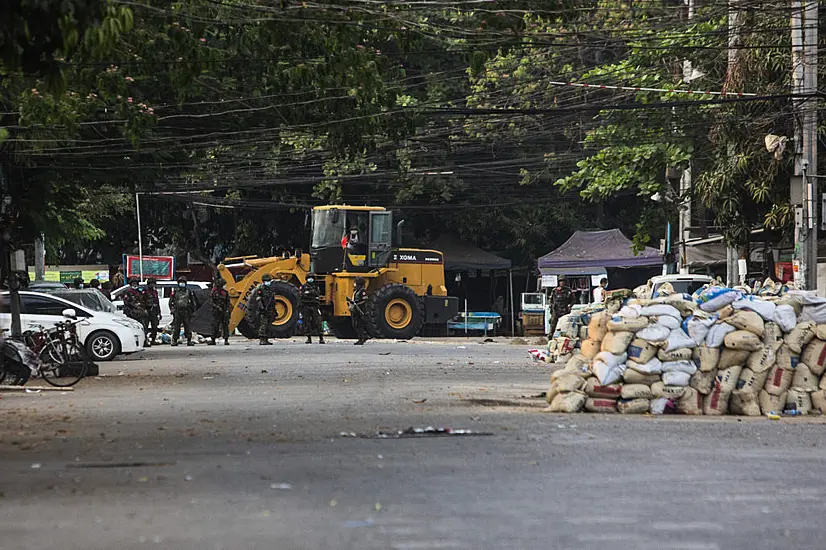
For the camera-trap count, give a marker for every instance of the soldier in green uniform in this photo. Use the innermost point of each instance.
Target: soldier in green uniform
(358, 311)
(562, 300)
(152, 303)
(182, 306)
(265, 300)
(310, 312)
(219, 298)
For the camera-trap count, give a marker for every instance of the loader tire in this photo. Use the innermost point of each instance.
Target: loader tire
(286, 310)
(395, 311)
(342, 328)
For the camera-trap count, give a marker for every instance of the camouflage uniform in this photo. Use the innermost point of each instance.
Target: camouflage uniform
(358, 310)
(152, 303)
(133, 304)
(182, 305)
(219, 298)
(264, 298)
(310, 312)
(562, 299)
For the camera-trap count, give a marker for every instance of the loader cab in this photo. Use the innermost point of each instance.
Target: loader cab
(350, 238)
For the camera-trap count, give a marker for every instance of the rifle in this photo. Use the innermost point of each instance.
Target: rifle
(354, 305)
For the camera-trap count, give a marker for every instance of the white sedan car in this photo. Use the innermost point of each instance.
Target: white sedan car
(104, 334)
(165, 289)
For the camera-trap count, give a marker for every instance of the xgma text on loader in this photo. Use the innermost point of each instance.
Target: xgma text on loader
(406, 286)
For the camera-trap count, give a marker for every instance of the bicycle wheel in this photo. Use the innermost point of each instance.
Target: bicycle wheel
(61, 368)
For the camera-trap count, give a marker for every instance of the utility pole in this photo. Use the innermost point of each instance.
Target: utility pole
(685, 178)
(39, 259)
(803, 184)
(735, 22)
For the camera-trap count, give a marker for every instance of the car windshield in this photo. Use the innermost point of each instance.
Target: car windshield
(682, 287)
(91, 299)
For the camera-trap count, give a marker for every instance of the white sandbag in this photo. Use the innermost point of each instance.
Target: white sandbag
(596, 390)
(654, 333)
(682, 354)
(659, 389)
(744, 403)
(668, 322)
(632, 376)
(676, 378)
(564, 383)
(752, 381)
(598, 326)
(608, 374)
(804, 379)
(799, 401)
(764, 308)
(717, 334)
(601, 405)
(814, 356)
(761, 360)
(685, 307)
(579, 364)
(590, 348)
(679, 339)
(786, 359)
(716, 403)
(771, 403)
(687, 367)
(727, 378)
(733, 357)
(658, 405)
(716, 297)
(636, 391)
(779, 380)
(653, 366)
(772, 336)
(819, 401)
(640, 351)
(630, 311)
(703, 382)
(744, 340)
(814, 313)
(690, 402)
(570, 402)
(785, 317)
(611, 358)
(621, 324)
(616, 343)
(747, 320)
(658, 310)
(709, 357)
(801, 334)
(820, 332)
(698, 327)
(633, 406)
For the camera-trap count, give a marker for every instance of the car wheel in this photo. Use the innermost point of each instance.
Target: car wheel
(102, 346)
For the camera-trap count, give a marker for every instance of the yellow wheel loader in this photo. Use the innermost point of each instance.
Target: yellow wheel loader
(406, 286)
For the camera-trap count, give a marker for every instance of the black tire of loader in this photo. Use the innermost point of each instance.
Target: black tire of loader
(342, 328)
(290, 292)
(377, 324)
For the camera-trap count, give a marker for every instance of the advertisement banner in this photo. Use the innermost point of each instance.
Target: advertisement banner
(159, 267)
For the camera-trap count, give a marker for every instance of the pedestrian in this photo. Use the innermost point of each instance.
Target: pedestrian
(562, 300)
(358, 307)
(117, 278)
(219, 298)
(78, 283)
(264, 298)
(152, 303)
(133, 305)
(95, 284)
(310, 310)
(182, 306)
(599, 292)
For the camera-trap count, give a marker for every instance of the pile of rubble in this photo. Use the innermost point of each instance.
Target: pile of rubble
(721, 351)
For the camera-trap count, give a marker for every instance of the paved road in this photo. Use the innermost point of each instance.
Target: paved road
(240, 447)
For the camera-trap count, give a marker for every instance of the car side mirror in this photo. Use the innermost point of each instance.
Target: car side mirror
(70, 313)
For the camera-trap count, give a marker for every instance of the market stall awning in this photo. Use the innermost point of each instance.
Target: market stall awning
(463, 256)
(592, 249)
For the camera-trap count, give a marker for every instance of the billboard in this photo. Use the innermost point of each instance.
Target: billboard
(159, 267)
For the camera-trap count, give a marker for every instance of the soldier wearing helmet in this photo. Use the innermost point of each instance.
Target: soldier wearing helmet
(264, 298)
(219, 298)
(310, 310)
(182, 305)
(152, 304)
(358, 310)
(133, 306)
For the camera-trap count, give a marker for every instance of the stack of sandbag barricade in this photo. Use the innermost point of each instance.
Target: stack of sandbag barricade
(572, 329)
(721, 351)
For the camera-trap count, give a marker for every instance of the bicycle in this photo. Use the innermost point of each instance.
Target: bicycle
(63, 360)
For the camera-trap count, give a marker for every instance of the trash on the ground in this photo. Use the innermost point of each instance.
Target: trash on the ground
(411, 432)
(188, 478)
(208, 377)
(31, 390)
(386, 353)
(419, 401)
(36, 466)
(461, 347)
(281, 486)
(378, 507)
(333, 503)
